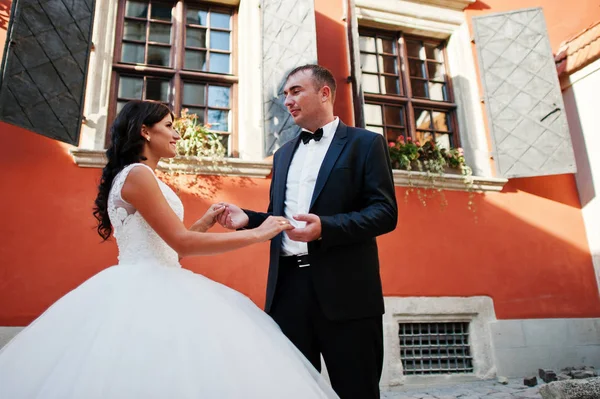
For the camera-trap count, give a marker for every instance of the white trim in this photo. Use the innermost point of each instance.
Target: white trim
(97, 90)
(448, 181)
(261, 169)
(473, 137)
(437, 19)
(188, 165)
(478, 311)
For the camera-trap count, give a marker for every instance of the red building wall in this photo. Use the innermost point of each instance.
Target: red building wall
(527, 250)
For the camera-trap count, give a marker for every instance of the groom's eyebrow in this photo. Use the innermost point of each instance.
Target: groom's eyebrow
(285, 92)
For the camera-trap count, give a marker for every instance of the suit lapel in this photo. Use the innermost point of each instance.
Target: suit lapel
(281, 176)
(335, 149)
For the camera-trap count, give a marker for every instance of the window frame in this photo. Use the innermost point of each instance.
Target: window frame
(176, 74)
(405, 98)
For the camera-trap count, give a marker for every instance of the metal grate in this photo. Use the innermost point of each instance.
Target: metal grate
(435, 348)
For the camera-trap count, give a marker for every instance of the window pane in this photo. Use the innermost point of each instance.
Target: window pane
(437, 91)
(392, 134)
(436, 71)
(386, 46)
(389, 65)
(218, 20)
(196, 16)
(157, 89)
(130, 87)
(137, 9)
(195, 37)
(219, 40)
(433, 52)
(199, 112)
(218, 96)
(218, 120)
(160, 11)
(120, 105)
(394, 115)
(219, 63)
(444, 140)
(441, 121)
(416, 68)
(133, 53)
(366, 43)
(134, 30)
(390, 84)
(422, 119)
(373, 114)
(370, 83)
(423, 137)
(225, 141)
(160, 33)
(419, 88)
(159, 55)
(375, 129)
(195, 60)
(368, 62)
(193, 94)
(413, 48)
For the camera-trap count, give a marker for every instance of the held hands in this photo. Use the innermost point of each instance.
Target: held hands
(272, 226)
(310, 232)
(233, 217)
(209, 219)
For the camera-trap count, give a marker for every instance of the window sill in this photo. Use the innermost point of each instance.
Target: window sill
(184, 164)
(261, 169)
(447, 181)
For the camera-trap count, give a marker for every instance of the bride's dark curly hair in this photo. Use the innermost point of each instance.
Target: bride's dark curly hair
(126, 145)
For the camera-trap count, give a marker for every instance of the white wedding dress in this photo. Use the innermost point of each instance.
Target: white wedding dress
(147, 328)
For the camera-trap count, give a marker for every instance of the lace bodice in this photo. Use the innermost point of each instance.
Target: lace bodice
(138, 243)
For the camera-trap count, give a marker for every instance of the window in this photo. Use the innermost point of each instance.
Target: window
(406, 88)
(179, 53)
(435, 348)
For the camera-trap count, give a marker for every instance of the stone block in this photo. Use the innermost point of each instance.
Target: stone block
(530, 381)
(572, 389)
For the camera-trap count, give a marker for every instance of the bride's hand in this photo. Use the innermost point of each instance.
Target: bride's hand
(209, 219)
(272, 226)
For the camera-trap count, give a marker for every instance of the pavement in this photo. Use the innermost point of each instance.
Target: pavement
(484, 389)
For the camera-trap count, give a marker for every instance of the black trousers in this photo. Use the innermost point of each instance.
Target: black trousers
(352, 349)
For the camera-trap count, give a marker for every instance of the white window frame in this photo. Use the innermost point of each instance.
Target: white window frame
(443, 19)
(250, 163)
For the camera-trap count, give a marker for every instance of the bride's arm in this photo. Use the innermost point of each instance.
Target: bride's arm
(141, 190)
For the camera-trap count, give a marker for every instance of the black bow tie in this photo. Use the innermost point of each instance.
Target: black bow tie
(307, 136)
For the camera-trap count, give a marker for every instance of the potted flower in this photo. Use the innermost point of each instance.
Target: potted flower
(427, 157)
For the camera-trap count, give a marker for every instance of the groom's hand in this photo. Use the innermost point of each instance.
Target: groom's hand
(310, 232)
(233, 217)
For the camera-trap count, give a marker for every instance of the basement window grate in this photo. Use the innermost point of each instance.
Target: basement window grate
(435, 348)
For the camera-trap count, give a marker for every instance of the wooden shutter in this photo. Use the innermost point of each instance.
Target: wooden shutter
(45, 65)
(524, 103)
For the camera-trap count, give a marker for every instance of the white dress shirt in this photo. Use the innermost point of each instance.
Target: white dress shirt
(300, 184)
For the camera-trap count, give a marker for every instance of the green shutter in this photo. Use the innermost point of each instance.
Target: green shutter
(45, 66)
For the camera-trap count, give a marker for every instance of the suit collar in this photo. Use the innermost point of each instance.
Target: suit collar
(335, 149)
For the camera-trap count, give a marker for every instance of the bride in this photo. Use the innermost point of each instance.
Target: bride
(147, 328)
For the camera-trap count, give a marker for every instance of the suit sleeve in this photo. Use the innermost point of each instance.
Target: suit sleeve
(379, 214)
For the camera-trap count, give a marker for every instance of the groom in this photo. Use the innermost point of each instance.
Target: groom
(324, 289)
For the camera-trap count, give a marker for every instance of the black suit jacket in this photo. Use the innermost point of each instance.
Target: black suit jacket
(355, 199)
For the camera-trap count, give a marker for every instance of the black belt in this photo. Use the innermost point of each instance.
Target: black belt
(295, 260)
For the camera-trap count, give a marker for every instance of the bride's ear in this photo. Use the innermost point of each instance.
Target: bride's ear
(145, 133)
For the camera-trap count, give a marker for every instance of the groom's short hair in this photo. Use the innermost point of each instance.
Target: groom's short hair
(321, 77)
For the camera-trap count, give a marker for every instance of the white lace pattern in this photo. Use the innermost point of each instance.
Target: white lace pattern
(138, 243)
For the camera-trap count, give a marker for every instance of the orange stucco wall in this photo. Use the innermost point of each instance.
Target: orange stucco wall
(525, 247)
